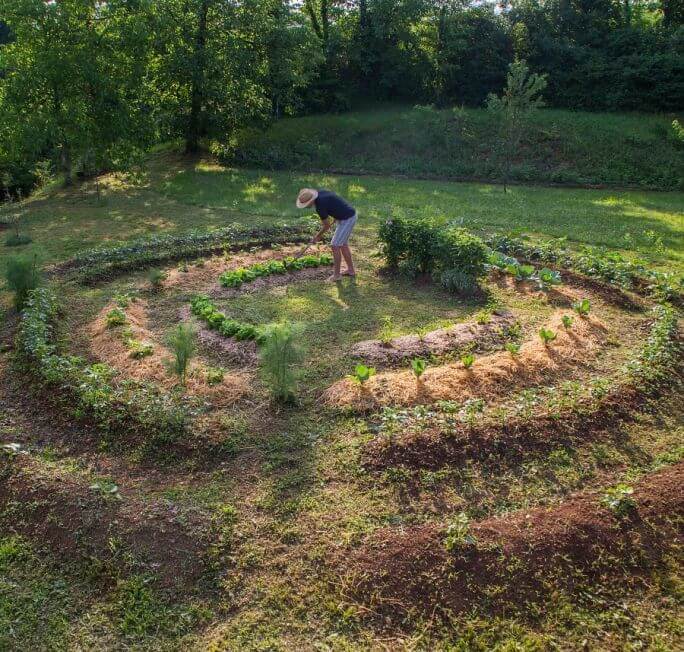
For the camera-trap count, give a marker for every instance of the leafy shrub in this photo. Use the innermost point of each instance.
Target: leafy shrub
(182, 342)
(618, 499)
(418, 365)
(115, 317)
(362, 374)
(22, 275)
(139, 409)
(17, 240)
(547, 335)
(281, 356)
(429, 247)
(458, 533)
(582, 308)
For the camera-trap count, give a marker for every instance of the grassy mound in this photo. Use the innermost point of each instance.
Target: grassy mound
(564, 147)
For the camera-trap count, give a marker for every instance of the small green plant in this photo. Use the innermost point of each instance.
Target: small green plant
(567, 321)
(547, 278)
(214, 376)
(115, 318)
(362, 374)
(17, 240)
(483, 317)
(418, 365)
(386, 331)
(22, 276)
(139, 350)
(281, 357)
(182, 342)
(467, 360)
(547, 335)
(458, 533)
(582, 308)
(513, 348)
(619, 499)
(157, 278)
(524, 272)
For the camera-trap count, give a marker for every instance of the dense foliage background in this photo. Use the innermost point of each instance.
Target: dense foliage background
(87, 86)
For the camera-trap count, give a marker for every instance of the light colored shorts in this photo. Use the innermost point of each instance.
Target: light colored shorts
(343, 231)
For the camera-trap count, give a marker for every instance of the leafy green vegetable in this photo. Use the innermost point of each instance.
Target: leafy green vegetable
(467, 360)
(418, 365)
(513, 348)
(547, 335)
(458, 533)
(582, 308)
(567, 321)
(619, 499)
(362, 373)
(115, 317)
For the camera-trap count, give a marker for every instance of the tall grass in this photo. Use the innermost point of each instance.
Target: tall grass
(182, 342)
(22, 275)
(280, 357)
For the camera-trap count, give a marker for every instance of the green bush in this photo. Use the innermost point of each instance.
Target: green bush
(426, 246)
(22, 275)
(280, 357)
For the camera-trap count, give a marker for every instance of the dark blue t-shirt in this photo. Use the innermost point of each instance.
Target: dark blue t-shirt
(328, 204)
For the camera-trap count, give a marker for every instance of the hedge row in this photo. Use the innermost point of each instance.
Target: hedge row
(101, 263)
(137, 409)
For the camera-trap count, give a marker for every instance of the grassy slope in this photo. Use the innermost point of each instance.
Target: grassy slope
(561, 146)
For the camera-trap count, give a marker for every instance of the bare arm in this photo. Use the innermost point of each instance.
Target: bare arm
(327, 224)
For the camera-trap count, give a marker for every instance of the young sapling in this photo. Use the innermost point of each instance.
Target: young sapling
(467, 360)
(418, 365)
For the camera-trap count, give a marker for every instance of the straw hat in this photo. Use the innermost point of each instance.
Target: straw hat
(306, 197)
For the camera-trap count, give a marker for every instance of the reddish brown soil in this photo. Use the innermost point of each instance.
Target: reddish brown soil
(519, 558)
(439, 342)
(62, 512)
(432, 448)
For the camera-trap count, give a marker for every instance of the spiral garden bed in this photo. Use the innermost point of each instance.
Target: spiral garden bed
(534, 361)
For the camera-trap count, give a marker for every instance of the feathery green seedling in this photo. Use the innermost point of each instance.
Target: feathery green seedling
(567, 321)
(182, 343)
(281, 358)
(547, 335)
(157, 278)
(582, 308)
(418, 365)
(22, 275)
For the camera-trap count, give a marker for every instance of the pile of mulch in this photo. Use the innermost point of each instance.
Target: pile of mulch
(62, 512)
(520, 558)
(481, 337)
(490, 376)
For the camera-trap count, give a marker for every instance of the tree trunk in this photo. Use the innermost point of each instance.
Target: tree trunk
(196, 126)
(65, 164)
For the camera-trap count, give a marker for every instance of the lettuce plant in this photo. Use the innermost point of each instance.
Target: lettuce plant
(567, 321)
(362, 374)
(547, 335)
(513, 348)
(115, 317)
(467, 360)
(547, 278)
(582, 308)
(418, 365)
(619, 499)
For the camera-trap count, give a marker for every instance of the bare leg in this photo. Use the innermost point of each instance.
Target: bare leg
(346, 254)
(337, 263)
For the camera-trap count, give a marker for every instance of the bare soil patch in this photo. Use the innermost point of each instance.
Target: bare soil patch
(489, 376)
(63, 512)
(519, 558)
(481, 337)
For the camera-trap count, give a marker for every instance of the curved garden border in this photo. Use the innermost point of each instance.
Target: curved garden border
(507, 560)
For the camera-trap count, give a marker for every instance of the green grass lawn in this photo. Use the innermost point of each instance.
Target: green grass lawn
(177, 197)
(560, 146)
